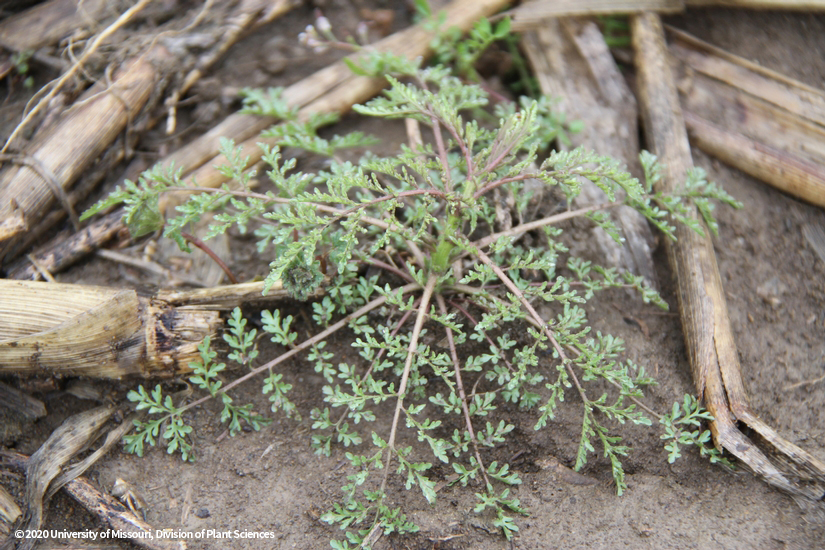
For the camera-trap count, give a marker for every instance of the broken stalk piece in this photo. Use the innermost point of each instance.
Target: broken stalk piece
(708, 333)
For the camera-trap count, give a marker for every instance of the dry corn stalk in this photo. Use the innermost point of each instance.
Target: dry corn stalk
(63, 330)
(47, 168)
(73, 330)
(249, 15)
(763, 123)
(9, 510)
(785, 171)
(74, 435)
(770, 86)
(572, 62)
(799, 5)
(51, 457)
(225, 297)
(65, 249)
(49, 22)
(534, 14)
(708, 333)
(21, 403)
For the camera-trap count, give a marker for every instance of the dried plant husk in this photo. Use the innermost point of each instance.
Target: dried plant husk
(75, 434)
(73, 330)
(760, 121)
(47, 472)
(21, 403)
(63, 152)
(49, 22)
(9, 510)
(229, 296)
(536, 14)
(50, 164)
(105, 507)
(67, 248)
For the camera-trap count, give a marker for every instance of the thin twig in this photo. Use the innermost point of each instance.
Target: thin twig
(40, 268)
(804, 383)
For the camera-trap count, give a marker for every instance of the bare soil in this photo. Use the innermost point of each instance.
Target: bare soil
(775, 285)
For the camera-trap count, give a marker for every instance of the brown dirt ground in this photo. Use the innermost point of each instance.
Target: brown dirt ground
(271, 480)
